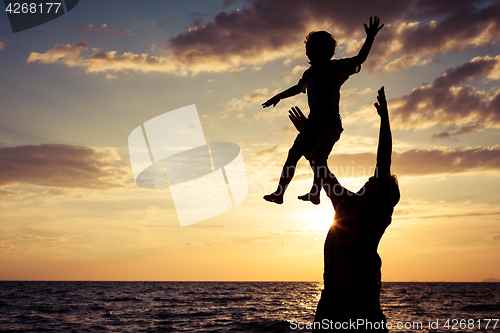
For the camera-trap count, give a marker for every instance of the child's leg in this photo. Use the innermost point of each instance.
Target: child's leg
(309, 195)
(287, 173)
(328, 136)
(321, 174)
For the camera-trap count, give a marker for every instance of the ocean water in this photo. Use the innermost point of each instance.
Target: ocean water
(230, 306)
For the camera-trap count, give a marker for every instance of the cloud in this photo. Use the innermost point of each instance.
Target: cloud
(268, 30)
(463, 27)
(36, 242)
(6, 193)
(355, 92)
(271, 114)
(99, 62)
(257, 34)
(67, 54)
(269, 151)
(285, 130)
(289, 129)
(258, 96)
(408, 60)
(272, 29)
(426, 8)
(445, 161)
(474, 214)
(414, 162)
(464, 130)
(58, 165)
(249, 99)
(2, 45)
(449, 101)
(104, 29)
(294, 75)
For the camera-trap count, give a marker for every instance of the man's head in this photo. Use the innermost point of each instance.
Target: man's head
(320, 46)
(370, 185)
(396, 195)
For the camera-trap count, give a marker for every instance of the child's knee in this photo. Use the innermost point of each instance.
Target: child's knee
(320, 157)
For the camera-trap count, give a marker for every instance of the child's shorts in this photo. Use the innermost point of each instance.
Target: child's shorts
(319, 135)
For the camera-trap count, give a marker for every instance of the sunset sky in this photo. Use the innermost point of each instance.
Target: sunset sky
(73, 89)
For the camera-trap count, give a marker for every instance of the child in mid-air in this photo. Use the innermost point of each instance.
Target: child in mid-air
(322, 128)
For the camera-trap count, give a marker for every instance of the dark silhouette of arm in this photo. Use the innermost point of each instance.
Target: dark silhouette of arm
(298, 118)
(292, 91)
(371, 32)
(384, 151)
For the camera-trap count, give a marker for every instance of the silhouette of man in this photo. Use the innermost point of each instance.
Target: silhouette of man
(350, 299)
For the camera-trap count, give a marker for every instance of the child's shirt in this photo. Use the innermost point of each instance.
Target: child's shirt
(323, 82)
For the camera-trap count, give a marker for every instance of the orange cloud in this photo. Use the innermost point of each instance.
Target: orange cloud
(449, 101)
(249, 99)
(270, 151)
(294, 75)
(272, 29)
(414, 162)
(407, 44)
(58, 165)
(446, 161)
(268, 30)
(99, 62)
(68, 54)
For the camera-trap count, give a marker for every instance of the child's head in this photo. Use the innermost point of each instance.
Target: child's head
(320, 46)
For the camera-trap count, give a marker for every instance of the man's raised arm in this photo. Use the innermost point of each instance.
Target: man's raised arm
(384, 151)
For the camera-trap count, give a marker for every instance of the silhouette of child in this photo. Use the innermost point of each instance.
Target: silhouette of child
(322, 82)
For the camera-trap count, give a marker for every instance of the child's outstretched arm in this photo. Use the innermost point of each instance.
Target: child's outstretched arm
(371, 32)
(292, 91)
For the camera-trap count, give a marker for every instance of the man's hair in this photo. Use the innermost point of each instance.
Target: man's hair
(322, 44)
(396, 195)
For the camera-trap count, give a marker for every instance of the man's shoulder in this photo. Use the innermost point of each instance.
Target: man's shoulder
(344, 66)
(341, 197)
(375, 201)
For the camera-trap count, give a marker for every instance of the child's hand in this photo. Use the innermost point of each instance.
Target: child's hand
(297, 117)
(373, 29)
(273, 101)
(382, 104)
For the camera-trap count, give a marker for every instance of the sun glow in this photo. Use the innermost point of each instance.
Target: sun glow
(320, 217)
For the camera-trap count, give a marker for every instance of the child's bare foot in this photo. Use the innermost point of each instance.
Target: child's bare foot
(273, 197)
(309, 197)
